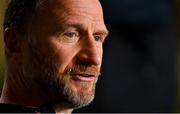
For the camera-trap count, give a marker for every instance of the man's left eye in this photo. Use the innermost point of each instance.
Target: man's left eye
(97, 38)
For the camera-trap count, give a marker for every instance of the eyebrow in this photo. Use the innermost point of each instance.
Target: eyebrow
(80, 26)
(105, 33)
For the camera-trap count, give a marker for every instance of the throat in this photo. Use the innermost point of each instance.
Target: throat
(62, 109)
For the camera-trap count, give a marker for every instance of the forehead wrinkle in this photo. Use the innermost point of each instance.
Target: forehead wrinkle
(78, 7)
(89, 23)
(61, 12)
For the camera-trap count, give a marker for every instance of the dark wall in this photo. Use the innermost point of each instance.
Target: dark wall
(138, 72)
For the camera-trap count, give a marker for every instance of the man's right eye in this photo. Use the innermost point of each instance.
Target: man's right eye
(70, 34)
(70, 37)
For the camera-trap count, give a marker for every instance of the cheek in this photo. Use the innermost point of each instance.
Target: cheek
(62, 54)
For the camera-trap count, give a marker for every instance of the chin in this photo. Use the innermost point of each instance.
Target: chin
(85, 94)
(78, 94)
(71, 92)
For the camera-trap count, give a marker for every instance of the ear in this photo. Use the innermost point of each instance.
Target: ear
(12, 42)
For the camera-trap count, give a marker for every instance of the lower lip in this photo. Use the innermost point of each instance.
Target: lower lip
(84, 78)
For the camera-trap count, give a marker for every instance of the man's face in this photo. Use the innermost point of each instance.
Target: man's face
(63, 53)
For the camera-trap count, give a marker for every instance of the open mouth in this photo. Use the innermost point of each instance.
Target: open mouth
(84, 77)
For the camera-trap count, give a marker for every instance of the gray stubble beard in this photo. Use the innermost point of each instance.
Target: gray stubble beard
(73, 99)
(43, 71)
(57, 86)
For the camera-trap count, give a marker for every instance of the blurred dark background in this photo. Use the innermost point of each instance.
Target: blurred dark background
(139, 65)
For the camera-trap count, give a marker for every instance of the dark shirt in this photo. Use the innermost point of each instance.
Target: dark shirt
(12, 108)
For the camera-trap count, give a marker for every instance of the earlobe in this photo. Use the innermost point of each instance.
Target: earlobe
(12, 41)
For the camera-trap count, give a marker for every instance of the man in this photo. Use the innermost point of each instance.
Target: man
(53, 53)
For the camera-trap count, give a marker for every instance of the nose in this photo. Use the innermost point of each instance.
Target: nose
(91, 52)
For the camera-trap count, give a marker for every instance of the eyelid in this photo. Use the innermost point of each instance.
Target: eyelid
(66, 32)
(101, 36)
(68, 36)
(70, 30)
(72, 33)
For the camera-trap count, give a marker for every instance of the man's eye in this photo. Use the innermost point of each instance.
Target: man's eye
(70, 37)
(98, 38)
(71, 34)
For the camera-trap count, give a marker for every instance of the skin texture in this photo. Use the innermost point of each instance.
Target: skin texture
(58, 61)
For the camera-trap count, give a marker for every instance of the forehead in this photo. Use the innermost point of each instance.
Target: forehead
(56, 13)
(70, 8)
(91, 5)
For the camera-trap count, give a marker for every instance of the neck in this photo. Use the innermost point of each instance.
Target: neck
(61, 109)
